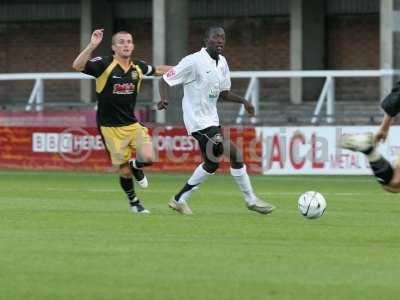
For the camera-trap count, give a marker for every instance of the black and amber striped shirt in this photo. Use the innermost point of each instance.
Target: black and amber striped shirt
(116, 89)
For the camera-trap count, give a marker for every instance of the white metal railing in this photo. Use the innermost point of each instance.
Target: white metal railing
(37, 95)
(327, 95)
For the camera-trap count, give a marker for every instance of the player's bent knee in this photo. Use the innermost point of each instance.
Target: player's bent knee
(146, 157)
(394, 185)
(391, 189)
(147, 160)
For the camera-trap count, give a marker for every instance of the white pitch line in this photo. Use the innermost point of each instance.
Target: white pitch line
(320, 178)
(90, 190)
(294, 177)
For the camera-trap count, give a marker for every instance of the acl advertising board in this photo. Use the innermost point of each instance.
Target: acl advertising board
(314, 150)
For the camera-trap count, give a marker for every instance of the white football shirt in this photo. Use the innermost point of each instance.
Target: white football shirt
(203, 80)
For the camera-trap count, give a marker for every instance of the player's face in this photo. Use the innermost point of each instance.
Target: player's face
(123, 45)
(216, 41)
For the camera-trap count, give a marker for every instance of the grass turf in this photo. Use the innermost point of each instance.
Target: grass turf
(70, 235)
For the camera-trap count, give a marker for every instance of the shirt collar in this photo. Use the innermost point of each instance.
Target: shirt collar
(210, 59)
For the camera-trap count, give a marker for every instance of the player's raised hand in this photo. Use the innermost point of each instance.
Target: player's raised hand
(97, 37)
(163, 104)
(249, 108)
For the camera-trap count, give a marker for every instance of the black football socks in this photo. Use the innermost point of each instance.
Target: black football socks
(127, 186)
(383, 170)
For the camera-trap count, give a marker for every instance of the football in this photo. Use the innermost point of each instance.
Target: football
(311, 204)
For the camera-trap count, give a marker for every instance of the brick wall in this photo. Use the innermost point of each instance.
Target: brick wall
(252, 44)
(39, 47)
(352, 42)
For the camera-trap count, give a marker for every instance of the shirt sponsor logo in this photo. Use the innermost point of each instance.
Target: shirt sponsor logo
(123, 88)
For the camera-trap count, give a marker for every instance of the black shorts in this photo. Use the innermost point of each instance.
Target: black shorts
(391, 103)
(210, 139)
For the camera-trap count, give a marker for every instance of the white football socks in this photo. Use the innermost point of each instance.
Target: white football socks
(243, 181)
(199, 176)
(186, 195)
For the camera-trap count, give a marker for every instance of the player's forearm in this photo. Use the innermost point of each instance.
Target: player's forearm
(161, 70)
(80, 61)
(386, 122)
(228, 96)
(163, 89)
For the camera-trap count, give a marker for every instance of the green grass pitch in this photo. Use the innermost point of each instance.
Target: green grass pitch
(70, 236)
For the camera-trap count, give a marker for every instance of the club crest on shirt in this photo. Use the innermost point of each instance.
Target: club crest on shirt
(134, 75)
(96, 59)
(213, 94)
(171, 73)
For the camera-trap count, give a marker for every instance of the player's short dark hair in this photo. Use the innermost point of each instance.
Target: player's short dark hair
(210, 29)
(119, 32)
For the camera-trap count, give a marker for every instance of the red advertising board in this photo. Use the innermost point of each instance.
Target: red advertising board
(81, 148)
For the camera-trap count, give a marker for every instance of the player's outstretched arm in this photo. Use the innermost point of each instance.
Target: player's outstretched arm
(80, 61)
(383, 131)
(228, 96)
(161, 70)
(163, 89)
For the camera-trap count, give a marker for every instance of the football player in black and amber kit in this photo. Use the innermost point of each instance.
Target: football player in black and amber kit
(118, 79)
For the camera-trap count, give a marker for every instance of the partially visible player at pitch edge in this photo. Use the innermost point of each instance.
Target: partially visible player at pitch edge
(366, 143)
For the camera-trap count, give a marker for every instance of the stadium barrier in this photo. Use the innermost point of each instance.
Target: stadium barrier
(314, 150)
(82, 149)
(267, 150)
(327, 96)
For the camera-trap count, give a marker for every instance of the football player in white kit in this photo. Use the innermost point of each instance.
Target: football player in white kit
(205, 78)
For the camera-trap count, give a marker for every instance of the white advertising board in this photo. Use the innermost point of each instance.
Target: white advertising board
(314, 150)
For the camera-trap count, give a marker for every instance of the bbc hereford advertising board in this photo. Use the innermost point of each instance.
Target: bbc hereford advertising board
(82, 148)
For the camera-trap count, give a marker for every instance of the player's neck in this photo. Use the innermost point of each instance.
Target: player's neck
(123, 61)
(214, 55)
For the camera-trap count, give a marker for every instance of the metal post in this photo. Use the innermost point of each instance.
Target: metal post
(32, 97)
(247, 96)
(158, 49)
(86, 32)
(321, 100)
(296, 49)
(40, 95)
(386, 44)
(255, 97)
(330, 104)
